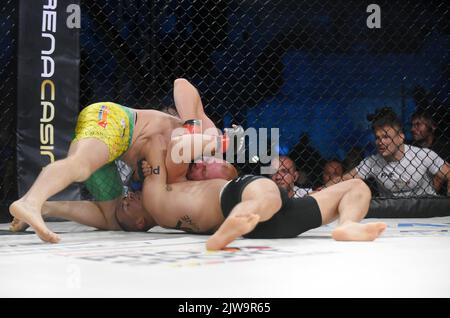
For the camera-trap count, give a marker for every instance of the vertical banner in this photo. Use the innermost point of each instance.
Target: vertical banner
(48, 87)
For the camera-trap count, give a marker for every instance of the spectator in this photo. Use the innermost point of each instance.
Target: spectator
(400, 170)
(332, 169)
(309, 159)
(286, 176)
(302, 180)
(423, 130)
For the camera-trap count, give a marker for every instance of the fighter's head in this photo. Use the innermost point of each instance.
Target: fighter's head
(286, 172)
(131, 215)
(211, 168)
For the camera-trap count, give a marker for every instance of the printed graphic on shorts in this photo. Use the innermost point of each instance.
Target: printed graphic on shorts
(103, 116)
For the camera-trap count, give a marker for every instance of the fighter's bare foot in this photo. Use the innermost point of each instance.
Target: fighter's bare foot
(18, 225)
(353, 231)
(30, 214)
(233, 227)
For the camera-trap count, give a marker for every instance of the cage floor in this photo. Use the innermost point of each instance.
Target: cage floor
(411, 259)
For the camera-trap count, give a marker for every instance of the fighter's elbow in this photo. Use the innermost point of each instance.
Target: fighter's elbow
(180, 81)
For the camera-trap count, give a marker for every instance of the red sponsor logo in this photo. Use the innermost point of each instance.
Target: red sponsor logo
(103, 116)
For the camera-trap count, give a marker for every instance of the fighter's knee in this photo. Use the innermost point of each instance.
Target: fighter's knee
(362, 187)
(356, 183)
(84, 173)
(361, 184)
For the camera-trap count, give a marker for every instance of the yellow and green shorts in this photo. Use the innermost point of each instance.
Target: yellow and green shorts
(113, 124)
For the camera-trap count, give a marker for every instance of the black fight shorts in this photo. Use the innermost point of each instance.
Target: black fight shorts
(296, 215)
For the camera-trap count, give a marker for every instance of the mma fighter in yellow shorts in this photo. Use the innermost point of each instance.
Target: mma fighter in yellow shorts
(105, 132)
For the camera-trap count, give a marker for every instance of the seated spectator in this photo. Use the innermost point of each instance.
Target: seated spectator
(354, 156)
(310, 159)
(400, 170)
(332, 169)
(302, 180)
(286, 176)
(423, 130)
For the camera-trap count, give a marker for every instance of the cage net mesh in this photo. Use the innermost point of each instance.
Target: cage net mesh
(8, 44)
(314, 69)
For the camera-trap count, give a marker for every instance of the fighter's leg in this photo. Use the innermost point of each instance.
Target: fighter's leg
(349, 202)
(85, 156)
(260, 201)
(91, 213)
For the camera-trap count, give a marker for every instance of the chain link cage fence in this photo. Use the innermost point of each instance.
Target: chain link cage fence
(313, 69)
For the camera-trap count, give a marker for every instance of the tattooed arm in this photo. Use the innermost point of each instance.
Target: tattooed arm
(155, 182)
